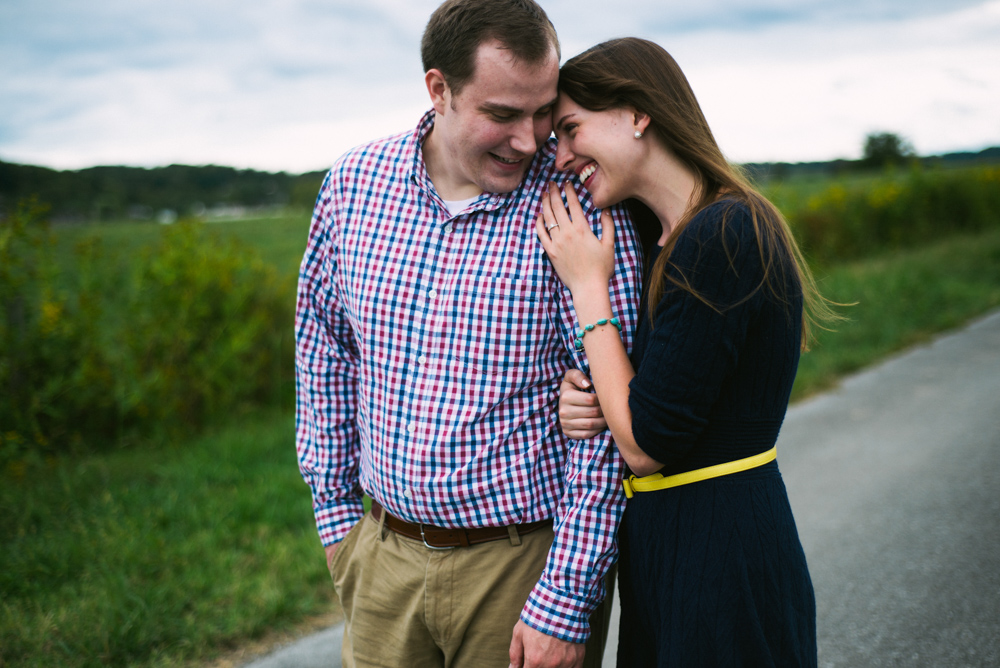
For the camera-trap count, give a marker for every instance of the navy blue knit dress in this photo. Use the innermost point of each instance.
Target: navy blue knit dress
(713, 573)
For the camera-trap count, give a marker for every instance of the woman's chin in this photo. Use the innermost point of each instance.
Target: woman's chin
(597, 200)
(602, 199)
(604, 202)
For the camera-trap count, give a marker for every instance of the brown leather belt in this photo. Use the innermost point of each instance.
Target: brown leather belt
(442, 538)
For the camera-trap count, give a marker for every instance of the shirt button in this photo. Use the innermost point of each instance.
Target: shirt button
(432, 293)
(411, 428)
(447, 228)
(407, 493)
(422, 359)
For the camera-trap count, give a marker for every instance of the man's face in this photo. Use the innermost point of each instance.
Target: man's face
(490, 131)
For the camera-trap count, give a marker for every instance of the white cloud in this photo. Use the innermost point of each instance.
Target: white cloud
(791, 94)
(282, 84)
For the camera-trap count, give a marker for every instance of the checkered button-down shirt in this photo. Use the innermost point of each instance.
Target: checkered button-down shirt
(430, 348)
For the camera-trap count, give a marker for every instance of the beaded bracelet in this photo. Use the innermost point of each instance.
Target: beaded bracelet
(586, 328)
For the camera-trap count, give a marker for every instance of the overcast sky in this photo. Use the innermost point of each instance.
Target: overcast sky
(291, 84)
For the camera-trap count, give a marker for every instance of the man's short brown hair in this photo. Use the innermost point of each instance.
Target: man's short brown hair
(458, 27)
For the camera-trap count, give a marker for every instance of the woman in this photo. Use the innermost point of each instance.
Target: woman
(712, 572)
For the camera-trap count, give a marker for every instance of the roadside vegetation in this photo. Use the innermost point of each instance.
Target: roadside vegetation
(151, 511)
(902, 298)
(109, 345)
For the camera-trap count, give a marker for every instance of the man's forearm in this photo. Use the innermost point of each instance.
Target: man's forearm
(572, 583)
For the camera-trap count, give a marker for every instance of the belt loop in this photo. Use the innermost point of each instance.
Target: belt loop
(381, 525)
(515, 537)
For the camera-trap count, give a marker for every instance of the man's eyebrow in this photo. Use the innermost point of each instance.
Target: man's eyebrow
(503, 108)
(507, 109)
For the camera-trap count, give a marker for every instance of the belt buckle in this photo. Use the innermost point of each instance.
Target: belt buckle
(428, 545)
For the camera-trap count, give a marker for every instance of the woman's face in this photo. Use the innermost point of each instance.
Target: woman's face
(600, 147)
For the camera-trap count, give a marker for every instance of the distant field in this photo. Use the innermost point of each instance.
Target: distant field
(279, 240)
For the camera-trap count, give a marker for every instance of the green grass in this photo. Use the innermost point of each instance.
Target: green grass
(279, 240)
(169, 556)
(158, 556)
(903, 298)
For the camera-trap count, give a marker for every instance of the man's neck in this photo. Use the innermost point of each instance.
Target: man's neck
(437, 161)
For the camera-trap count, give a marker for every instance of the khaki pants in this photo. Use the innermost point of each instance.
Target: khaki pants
(408, 606)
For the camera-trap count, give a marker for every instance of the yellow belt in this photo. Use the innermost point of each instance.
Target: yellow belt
(651, 483)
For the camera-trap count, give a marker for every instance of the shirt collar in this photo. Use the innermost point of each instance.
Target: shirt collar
(487, 201)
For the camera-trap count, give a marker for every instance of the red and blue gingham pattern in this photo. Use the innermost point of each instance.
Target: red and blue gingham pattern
(430, 348)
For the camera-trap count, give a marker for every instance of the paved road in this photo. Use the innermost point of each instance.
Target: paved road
(894, 479)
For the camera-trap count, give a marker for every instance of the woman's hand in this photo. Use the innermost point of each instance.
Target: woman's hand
(580, 412)
(584, 262)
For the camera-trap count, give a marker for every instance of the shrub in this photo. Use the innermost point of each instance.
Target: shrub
(203, 331)
(163, 342)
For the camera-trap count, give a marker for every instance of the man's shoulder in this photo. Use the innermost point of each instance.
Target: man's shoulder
(376, 155)
(543, 165)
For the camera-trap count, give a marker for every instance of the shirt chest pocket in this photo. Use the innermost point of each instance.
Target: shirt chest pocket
(504, 323)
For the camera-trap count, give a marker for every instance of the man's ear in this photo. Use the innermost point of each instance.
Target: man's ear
(438, 89)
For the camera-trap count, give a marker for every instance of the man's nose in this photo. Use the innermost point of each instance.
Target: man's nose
(523, 138)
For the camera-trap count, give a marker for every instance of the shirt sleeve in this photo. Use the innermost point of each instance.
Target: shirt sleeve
(695, 341)
(586, 520)
(326, 380)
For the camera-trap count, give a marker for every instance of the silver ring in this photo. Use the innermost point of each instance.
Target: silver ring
(552, 227)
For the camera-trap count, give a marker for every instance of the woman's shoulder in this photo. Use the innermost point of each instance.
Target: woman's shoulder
(726, 223)
(723, 213)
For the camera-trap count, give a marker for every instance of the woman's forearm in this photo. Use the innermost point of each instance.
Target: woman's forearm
(610, 372)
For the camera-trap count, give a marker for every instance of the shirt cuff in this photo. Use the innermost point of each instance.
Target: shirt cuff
(557, 613)
(334, 522)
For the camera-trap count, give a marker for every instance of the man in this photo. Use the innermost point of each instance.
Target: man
(432, 334)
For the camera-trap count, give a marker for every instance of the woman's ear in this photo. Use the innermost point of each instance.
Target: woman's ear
(640, 121)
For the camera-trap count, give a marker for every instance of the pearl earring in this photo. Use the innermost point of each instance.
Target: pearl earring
(638, 134)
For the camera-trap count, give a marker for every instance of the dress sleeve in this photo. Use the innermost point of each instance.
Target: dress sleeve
(326, 380)
(696, 339)
(586, 520)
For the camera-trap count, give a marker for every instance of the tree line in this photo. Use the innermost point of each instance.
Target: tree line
(117, 193)
(881, 150)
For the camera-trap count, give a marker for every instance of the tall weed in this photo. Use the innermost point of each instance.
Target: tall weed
(43, 335)
(849, 220)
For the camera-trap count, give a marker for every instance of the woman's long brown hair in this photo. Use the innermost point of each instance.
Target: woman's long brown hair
(639, 74)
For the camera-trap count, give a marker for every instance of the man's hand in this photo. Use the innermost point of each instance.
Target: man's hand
(330, 551)
(533, 649)
(579, 411)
